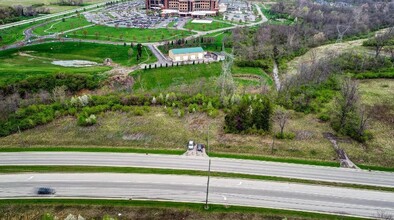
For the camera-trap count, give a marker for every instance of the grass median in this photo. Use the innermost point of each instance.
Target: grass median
(149, 210)
(141, 170)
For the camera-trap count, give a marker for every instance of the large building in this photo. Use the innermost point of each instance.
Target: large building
(186, 54)
(185, 7)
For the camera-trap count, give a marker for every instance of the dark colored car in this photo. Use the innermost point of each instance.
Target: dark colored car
(45, 191)
(200, 147)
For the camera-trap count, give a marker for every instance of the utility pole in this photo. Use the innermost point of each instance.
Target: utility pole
(209, 175)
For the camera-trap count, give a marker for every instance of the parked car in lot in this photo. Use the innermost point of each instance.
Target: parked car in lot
(200, 147)
(190, 145)
(45, 191)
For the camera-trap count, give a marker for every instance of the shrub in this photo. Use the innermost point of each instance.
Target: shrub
(285, 135)
(213, 113)
(324, 117)
(249, 114)
(181, 113)
(169, 111)
(138, 111)
(85, 120)
(192, 108)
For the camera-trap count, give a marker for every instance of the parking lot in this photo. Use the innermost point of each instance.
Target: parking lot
(239, 11)
(127, 14)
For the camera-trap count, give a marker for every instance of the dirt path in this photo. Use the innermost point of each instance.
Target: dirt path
(36, 57)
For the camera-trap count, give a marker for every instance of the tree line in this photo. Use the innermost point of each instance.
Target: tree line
(315, 24)
(17, 12)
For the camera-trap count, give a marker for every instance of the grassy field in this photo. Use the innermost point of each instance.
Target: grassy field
(322, 51)
(128, 34)
(253, 71)
(48, 209)
(163, 78)
(13, 34)
(215, 46)
(60, 26)
(18, 64)
(150, 131)
(206, 27)
(82, 51)
(47, 3)
(378, 94)
(36, 60)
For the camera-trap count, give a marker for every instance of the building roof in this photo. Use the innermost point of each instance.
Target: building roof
(187, 50)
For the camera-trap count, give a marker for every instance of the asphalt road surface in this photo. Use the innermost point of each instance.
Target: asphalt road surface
(45, 17)
(192, 189)
(331, 174)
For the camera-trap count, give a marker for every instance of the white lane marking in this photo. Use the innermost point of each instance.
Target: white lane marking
(30, 178)
(240, 183)
(225, 198)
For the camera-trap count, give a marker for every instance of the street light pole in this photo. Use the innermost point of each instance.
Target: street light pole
(209, 175)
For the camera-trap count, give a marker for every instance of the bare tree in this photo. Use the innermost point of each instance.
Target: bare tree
(44, 96)
(364, 117)
(346, 103)
(381, 39)
(341, 29)
(9, 104)
(59, 94)
(281, 116)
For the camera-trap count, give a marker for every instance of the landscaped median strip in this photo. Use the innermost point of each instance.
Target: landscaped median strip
(194, 207)
(141, 170)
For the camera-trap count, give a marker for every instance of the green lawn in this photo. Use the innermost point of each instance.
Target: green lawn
(83, 51)
(247, 82)
(60, 26)
(253, 71)
(14, 67)
(162, 78)
(206, 27)
(13, 34)
(273, 18)
(215, 46)
(128, 34)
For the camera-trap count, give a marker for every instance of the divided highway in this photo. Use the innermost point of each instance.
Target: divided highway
(192, 189)
(330, 174)
(45, 17)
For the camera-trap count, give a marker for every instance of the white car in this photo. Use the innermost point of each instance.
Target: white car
(190, 145)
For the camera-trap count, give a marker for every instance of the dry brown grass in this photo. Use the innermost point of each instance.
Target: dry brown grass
(380, 150)
(157, 130)
(36, 212)
(321, 51)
